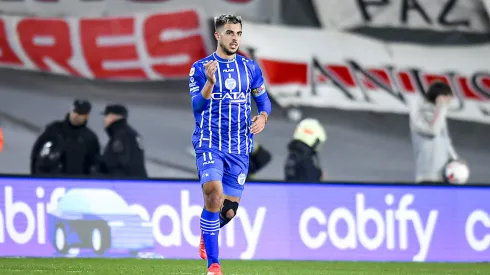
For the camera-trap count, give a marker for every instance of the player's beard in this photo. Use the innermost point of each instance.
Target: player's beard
(226, 50)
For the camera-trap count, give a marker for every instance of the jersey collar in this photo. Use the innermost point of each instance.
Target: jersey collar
(223, 60)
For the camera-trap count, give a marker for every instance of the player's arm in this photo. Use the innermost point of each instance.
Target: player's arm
(200, 87)
(430, 124)
(259, 92)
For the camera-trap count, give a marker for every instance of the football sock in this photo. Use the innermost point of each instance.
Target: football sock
(210, 225)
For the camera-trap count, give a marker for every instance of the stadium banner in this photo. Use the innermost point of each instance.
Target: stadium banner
(352, 72)
(257, 10)
(160, 219)
(141, 46)
(436, 15)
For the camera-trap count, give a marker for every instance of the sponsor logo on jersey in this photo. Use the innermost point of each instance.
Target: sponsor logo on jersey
(232, 97)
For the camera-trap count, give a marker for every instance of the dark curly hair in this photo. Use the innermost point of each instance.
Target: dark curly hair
(224, 19)
(437, 89)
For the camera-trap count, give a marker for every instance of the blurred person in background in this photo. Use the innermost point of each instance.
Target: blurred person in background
(258, 159)
(124, 155)
(303, 163)
(432, 145)
(67, 147)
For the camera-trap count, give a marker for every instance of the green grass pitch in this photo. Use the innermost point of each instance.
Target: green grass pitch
(21, 266)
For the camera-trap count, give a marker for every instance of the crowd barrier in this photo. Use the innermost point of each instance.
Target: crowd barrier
(42, 217)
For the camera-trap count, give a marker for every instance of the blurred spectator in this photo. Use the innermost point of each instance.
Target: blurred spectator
(303, 163)
(258, 159)
(124, 154)
(432, 145)
(67, 147)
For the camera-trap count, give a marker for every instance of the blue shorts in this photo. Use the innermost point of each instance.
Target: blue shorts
(230, 169)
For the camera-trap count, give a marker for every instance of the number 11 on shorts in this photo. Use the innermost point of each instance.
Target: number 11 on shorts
(204, 156)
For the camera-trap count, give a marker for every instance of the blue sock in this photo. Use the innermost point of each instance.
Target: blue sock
(210, 224)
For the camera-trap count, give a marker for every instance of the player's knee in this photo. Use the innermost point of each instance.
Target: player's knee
(213, 201)
(230, 214)
(212, 187)
(228, 211)
(213, 194)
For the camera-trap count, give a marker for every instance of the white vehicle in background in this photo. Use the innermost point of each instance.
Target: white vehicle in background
(98, 219)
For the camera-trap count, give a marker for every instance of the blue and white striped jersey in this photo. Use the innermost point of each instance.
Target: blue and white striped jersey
(224, 123)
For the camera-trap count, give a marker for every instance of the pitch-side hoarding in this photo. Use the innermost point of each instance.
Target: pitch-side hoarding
(110, 218)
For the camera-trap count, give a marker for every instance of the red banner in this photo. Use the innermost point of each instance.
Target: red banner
(138, 47)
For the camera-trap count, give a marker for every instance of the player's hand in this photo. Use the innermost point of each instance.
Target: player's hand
(211, 68)
(258, 124)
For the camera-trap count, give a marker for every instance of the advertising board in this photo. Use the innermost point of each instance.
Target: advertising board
(89, 218)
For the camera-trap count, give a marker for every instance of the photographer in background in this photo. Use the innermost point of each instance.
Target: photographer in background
(432, 145)
(302, 163)
(67, 147)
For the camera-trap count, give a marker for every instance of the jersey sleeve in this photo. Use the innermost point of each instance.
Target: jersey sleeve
(258, 90)
(197, 79)
(258, 87)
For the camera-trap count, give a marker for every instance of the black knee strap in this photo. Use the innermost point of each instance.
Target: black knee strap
(227, 205)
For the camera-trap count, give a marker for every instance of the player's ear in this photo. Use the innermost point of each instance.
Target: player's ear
(216, 35)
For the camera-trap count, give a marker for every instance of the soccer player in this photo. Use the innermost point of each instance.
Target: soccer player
(221, 86)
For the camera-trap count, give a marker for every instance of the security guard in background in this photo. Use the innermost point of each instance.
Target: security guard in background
(302, 163)
(124, 155)
(67, 147)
